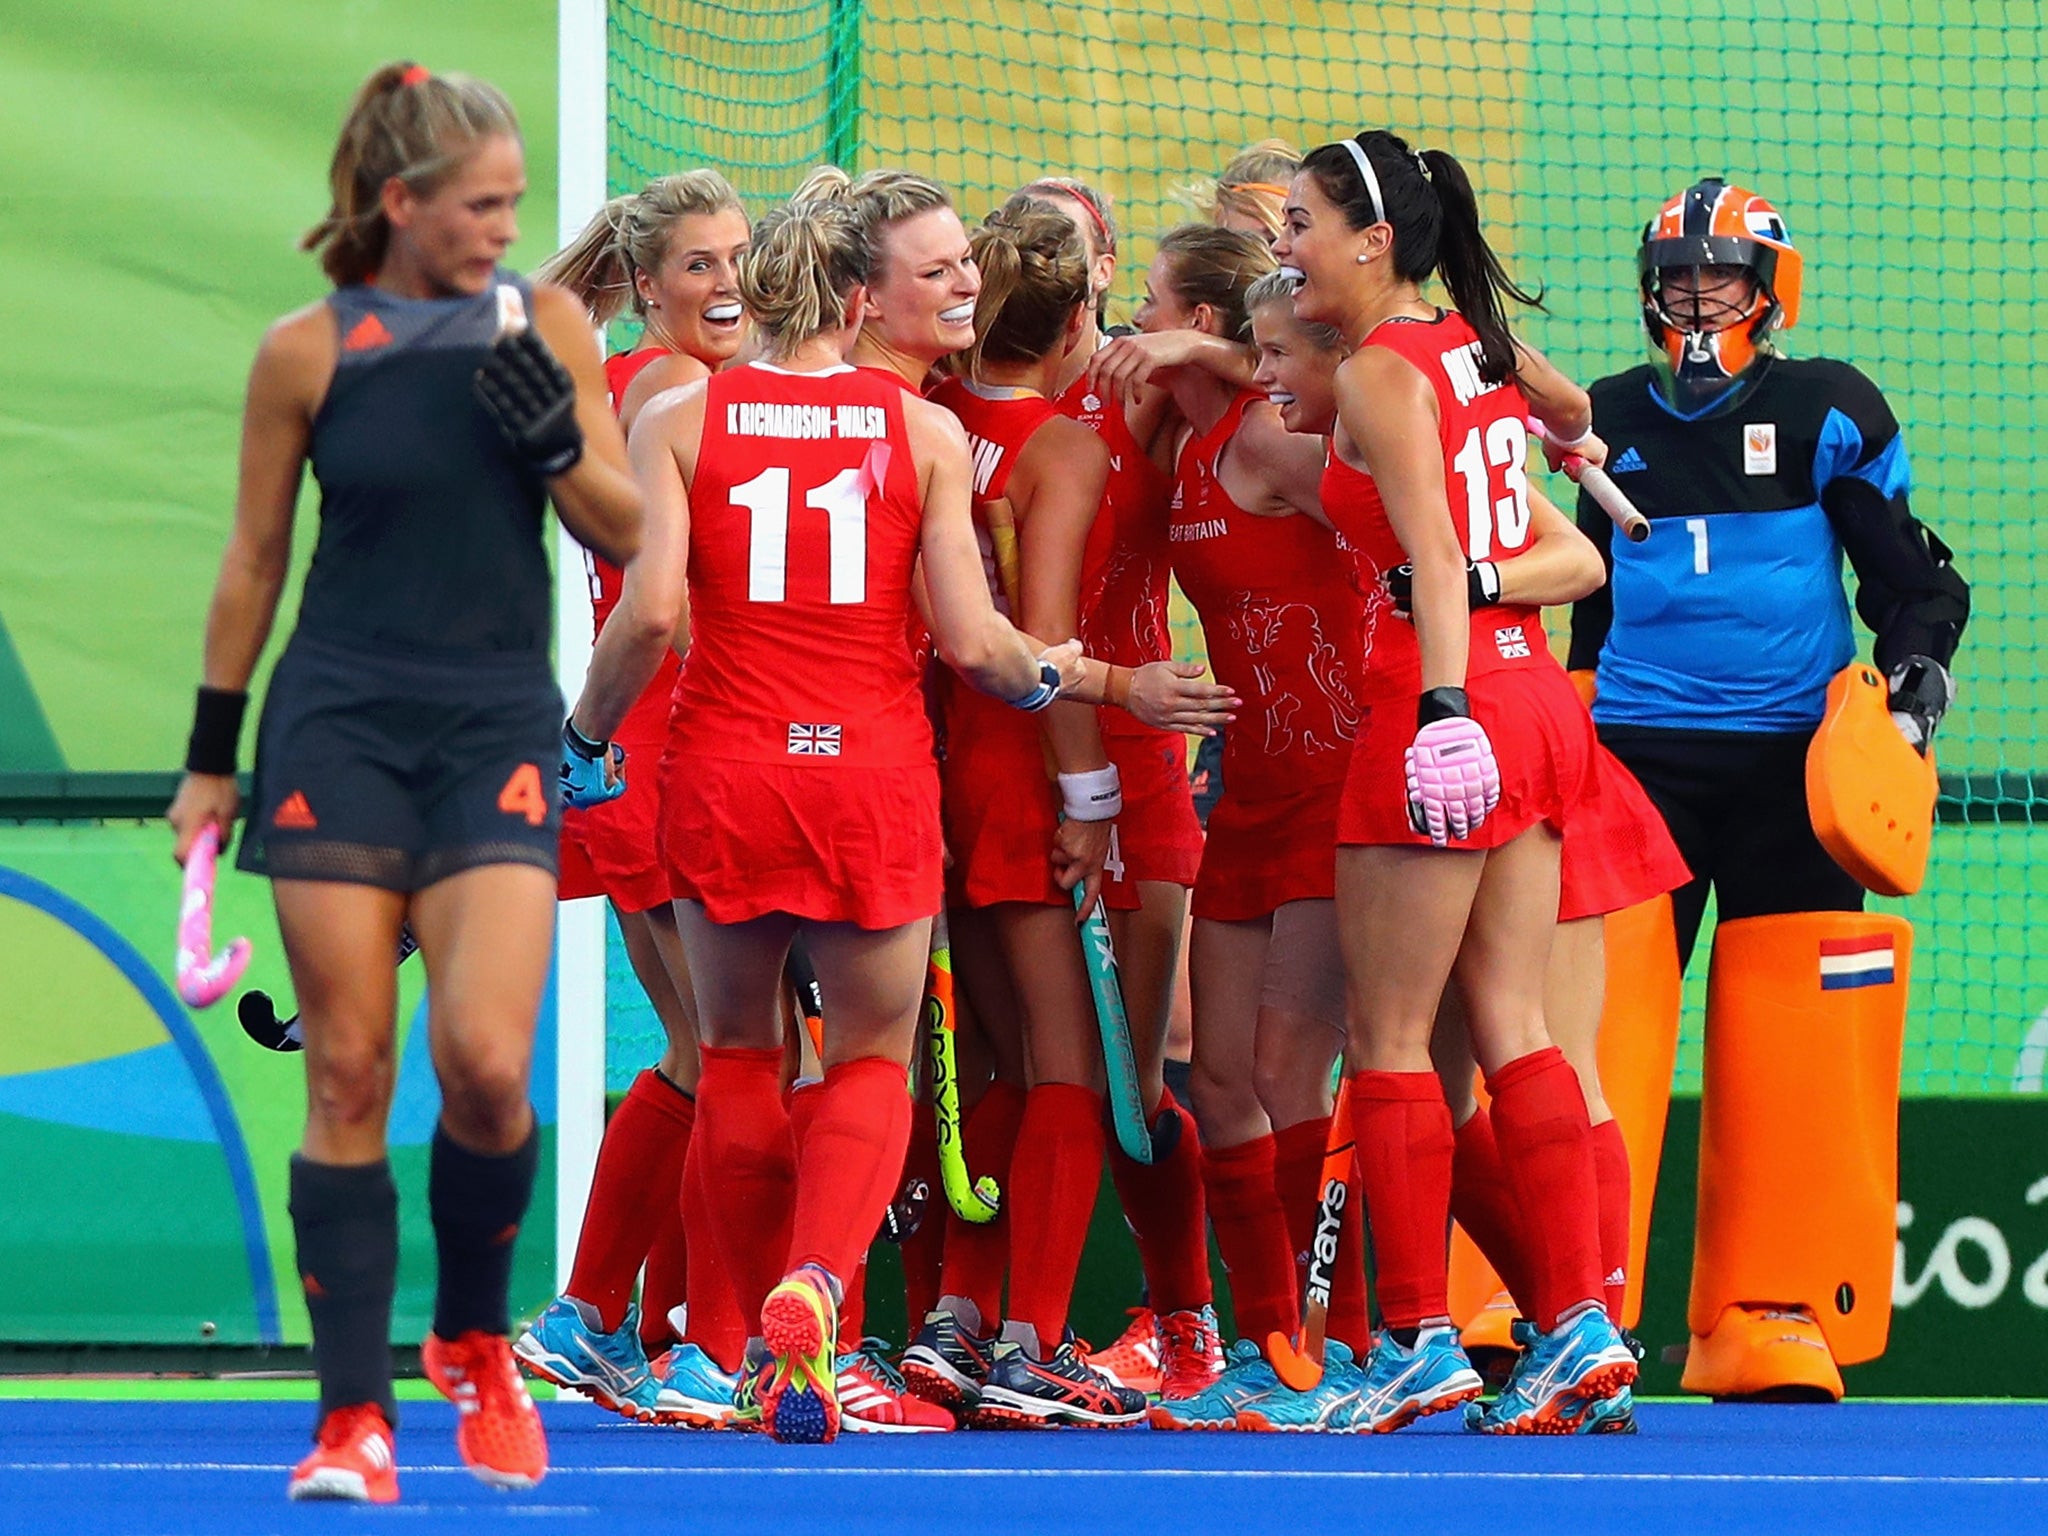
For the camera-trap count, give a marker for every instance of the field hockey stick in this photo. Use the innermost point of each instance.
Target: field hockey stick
(977, 1200)
(203, 976)
(1599, 485)
(1119, 1059)
(258, 1014)
(810, 998)
(1300, 1364)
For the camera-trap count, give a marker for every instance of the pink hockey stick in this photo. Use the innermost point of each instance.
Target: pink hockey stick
(204, 977)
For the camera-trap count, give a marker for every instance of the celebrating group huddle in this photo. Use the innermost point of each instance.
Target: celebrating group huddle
(882, 522)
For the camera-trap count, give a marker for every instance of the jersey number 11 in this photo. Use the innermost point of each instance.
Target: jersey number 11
(844, 501)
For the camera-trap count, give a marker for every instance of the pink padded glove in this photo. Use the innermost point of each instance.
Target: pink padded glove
(1453, 780)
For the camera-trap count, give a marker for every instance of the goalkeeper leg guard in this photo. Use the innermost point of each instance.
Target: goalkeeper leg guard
(1798, 1181)
(1638, 1048)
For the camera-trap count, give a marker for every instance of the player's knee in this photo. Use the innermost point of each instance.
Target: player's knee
(1222, 1103)
(486, 1092)
(1291, 1088)
(350, 1088)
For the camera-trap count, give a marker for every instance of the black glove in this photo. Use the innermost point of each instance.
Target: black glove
(1921, 692)
(1482, 586)
(533, 400)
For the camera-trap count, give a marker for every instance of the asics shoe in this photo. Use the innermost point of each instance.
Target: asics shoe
(1135, 1359)
(354, 1460)
(691, 1389)
(611, 1368)
(1023, 1393)
(875, 1400)
(1190, 1353)
(497, 1429)
(1246, 1378)
(1404, 1383)
(946, 1364)
(1560, 1378)
(800, 1325)
(1325, 1408)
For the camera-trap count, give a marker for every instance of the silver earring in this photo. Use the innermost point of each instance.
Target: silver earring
(1362, 258)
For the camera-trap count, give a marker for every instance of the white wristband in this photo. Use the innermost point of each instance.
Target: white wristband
(1573, 442)
(1097, 795)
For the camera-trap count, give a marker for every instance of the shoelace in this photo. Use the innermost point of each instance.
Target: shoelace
(871, 1350)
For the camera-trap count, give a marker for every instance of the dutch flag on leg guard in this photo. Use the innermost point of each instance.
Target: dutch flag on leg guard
(1868, 962)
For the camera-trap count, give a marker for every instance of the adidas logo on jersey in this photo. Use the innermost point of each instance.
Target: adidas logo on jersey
(366, 335)
(1629, 463)
(1513, 644)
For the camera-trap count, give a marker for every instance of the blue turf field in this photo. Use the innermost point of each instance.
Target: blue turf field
(72, 1468)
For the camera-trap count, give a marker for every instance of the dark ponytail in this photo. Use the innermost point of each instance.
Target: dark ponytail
(1428, 200)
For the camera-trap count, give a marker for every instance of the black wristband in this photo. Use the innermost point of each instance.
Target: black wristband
(216, 730)
(590, 751)
(1442, 704)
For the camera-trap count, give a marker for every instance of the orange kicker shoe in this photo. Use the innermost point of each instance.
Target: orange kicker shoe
(1133, 1360)
(354, 1462)
(1763, 1354)
(498, 1432)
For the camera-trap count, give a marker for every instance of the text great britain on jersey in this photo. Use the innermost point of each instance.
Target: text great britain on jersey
(755, 418)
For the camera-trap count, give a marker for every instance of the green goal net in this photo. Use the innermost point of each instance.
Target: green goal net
(1900, 141)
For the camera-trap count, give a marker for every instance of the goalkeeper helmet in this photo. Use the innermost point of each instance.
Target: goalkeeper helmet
(1718, 274)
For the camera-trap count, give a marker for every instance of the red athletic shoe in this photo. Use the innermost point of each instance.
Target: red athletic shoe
(874, 1399)
(1190, 1353)
(498, 1432)
(1133, 1360)
(355, 1459)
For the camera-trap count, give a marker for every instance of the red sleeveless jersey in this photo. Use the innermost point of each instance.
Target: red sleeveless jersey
(1124, 613)
(1281, 613)
(804, 526)
(620, 370)
(1485, 436)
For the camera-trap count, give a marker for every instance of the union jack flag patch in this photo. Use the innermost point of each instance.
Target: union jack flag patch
(814, 740)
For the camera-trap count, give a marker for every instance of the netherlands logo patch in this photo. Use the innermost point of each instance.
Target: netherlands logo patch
(814, 740)
(1847, 963)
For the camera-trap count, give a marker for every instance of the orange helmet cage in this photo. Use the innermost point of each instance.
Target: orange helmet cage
(1711, 224)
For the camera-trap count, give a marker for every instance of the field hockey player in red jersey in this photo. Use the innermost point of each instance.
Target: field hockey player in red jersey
(1429, 417)
(799, 794)
(442, 402)
(670, 253)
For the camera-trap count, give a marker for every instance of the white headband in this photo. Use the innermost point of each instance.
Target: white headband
(1372, 182)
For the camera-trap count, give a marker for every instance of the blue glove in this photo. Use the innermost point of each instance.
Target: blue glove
(583, 770)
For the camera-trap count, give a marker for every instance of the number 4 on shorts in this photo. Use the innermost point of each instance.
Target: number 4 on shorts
(522, 795)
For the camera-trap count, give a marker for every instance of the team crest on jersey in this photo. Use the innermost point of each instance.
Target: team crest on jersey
(1760, 448)
(814, 740)
(1512, 643)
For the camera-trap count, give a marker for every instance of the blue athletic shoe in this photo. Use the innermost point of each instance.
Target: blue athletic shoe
(691, 1389)
(1326, 1409)
(1403, 1384)
(1566, 1383)
(1246, 1378)
(563, 1345)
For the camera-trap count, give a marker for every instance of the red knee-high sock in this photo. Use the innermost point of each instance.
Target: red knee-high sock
(1251, 1234)
(925, 1252)
(1546, 1148)
(849, 1158)
(1610, 1172)
(1053, 1182)
(750, 1168)
(1297, 1169)
(1163, 1203)
(716, 1324)
(977, 1254)
(1484, 1206)
(853, 1311)
(639, 1163)
(665, 1286)
(1405, 1148)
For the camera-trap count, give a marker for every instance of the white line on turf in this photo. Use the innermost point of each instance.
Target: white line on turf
(1178, 1474)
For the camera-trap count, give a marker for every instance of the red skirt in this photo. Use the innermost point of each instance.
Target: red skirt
(1158, 836)
(1264, 853)
(1002, 808)
(614, 849)
(832, 843)
(1542, 738)
(1617, 850)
